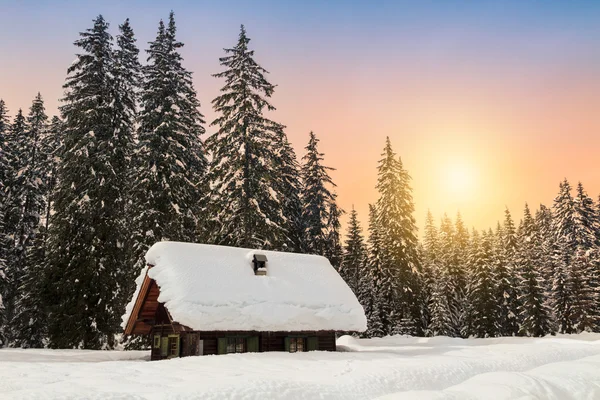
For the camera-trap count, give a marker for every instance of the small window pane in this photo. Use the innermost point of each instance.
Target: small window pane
(239, 348)
(299, 344)
(230, 346)
(173, 346)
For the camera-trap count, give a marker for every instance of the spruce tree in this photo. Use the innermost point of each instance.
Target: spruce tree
(245, 195)
(398, 230)
(289, 187)
(5, 176)
(435, 284)
(534, 309)
(87, 264)
(353, 266)
(333, 246)
(377, 291)
(13, 214)
(459, 274)
(170, 167)
(317, 198)
(449, 268)
(482, 290)
(29, 317)
(507, 280)
(583, 271)
(545, 246)
(564, 229)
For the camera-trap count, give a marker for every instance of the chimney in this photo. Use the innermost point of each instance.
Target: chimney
(260, 264)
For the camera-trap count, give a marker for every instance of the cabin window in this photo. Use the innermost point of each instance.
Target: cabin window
(294, 344)
(236, 345)
(156, 342)
(173, 346)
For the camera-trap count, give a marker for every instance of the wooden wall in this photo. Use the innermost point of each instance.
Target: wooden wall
(268, 341)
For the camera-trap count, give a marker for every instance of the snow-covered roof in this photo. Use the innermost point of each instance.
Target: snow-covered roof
(208, 287)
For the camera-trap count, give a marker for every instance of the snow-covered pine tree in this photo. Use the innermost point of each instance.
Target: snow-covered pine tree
(395, 209)
(289, 187)
(376, 292)
(29, 318)
(545, 246)
(51, 149)
(170, 161)
(245, 193)
(448, 268)
(482, 289)
(86, 239)
(334, 251)
(460, 272)
(564, 229)
(355, 254)
(507, 278)
(5, 175)
(317, 197)
(534, 309)
(127, 85)
(583, 271)
(13, 214)
(435, 283)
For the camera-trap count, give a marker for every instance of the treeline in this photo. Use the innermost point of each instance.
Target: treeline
(86, 194)
(538, 278)
(83, 197)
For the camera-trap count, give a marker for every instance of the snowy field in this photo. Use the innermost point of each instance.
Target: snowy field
(563, 367)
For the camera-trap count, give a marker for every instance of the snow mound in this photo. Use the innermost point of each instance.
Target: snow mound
(208, 287)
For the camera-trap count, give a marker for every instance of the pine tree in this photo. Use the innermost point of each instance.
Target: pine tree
(534, 310)
(482, 290)
(333, 246)
(355, 255)
(289, 187)
(29, 318)
(377, 291)
(545, 246)
(398, 230)
(460, 246)
(13, 214)
(5, 177)
(245, 192)
(51, 150)
(316, 197)
(170, 165)
(86, 242)
(507, 279)
(564, 229)
(449, 268)
(436, 283)
(583, 271)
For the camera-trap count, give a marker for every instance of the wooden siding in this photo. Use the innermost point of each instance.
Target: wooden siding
(268, 341)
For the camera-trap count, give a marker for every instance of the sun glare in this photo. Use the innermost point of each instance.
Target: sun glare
(459, 180)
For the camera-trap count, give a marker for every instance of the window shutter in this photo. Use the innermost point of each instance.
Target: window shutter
(312, 343)
(222, 346)
(252, 344)
(287, 344)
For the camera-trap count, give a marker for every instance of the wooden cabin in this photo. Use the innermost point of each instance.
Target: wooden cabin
(195, 299)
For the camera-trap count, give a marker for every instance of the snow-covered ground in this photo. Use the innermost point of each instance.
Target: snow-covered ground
(563, 367)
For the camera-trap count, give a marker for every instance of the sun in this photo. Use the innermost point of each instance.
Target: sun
(459, 179)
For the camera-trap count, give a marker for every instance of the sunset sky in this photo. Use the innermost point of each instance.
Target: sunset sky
(490, 104)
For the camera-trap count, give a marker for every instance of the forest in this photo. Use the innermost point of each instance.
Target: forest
(129, 162)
